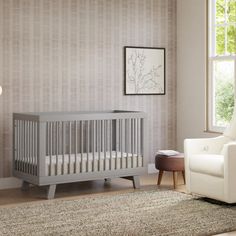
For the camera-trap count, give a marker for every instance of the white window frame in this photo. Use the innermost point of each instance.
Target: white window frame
(211, 58)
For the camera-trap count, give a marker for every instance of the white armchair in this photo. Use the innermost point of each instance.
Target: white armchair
(210, 165)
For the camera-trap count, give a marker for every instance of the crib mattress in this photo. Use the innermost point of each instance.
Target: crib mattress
(89, 162)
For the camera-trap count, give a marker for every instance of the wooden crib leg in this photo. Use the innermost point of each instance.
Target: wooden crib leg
(136, 181)
(107, 180)
(51, 191)
(25, 186)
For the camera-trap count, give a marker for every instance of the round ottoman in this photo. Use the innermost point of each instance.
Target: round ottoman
(170, 163)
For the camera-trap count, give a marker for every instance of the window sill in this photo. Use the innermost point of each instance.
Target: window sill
(212, 132)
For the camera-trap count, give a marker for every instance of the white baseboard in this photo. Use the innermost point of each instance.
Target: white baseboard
(10, 182)
(151, 168)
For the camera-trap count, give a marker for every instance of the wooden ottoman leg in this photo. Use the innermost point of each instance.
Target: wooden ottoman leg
(159, 177)
(183, 173)
(175, 176)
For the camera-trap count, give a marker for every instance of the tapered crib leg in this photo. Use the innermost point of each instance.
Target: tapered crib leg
(136, 181)
(51, 191)
(25, 186)
(107, 180)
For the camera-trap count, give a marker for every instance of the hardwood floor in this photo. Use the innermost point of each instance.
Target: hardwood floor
(12, 197)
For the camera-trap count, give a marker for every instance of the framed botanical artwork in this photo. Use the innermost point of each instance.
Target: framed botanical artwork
(144, 71)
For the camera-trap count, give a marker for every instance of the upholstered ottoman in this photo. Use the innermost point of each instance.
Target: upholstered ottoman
(170, 163)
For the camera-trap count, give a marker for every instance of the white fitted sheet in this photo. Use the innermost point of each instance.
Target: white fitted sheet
(89, 162)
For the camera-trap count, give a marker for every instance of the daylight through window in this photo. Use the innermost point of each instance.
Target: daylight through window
(222, 62)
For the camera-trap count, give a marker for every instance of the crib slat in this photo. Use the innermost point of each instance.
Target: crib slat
(14, 143)
(69, 147)
(117, 142)
(35, 148)
(25, 160)
(132, 143)
(138, 137)
(57, 146)
(93, 143)
(87, 148)
(14, 139)
(18, 144)
(76, 164)
(127, 140)
(135, 136)
(110, 144)
(141, 138)
(26, 148)
(99, 139)
(51, 147)
(63, 147)
(29, 148)
(32, 147)
(81, 145)
(105, 144)
(22, 145)
(121, 141)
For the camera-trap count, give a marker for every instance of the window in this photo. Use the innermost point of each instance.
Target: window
(222, 62)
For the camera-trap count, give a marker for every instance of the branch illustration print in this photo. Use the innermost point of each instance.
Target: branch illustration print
(143, 74)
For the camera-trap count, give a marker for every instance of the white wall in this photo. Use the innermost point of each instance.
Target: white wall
(56, 54)
(191, 70)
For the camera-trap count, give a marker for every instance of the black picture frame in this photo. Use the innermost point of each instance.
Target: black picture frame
(144, 70)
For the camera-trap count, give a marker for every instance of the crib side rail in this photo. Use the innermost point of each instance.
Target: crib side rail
(25, 144)
(65, 116)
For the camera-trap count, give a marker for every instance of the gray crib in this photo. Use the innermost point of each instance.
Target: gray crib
(51, 148)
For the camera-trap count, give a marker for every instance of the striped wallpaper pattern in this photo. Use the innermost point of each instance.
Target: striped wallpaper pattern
(67, 55)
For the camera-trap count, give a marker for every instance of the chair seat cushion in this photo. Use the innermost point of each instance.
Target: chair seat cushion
(207, 164)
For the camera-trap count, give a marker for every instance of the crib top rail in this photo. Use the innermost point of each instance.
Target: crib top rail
(78, 115)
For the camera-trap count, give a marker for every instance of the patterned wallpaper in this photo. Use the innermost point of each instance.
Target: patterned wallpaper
(63, 55)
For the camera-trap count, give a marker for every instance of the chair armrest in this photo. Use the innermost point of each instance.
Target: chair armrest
(201, 146)
(230, 170)
(204, 145)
